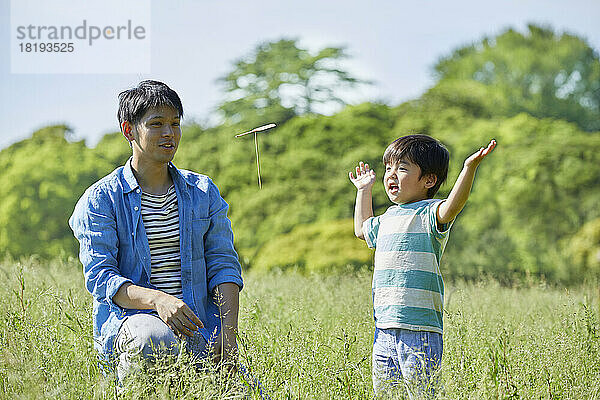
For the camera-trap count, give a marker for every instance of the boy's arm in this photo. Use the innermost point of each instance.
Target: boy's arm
(363, 210)
(459, 194)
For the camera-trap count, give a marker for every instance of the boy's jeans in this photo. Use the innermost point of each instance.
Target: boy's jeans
(412, 357)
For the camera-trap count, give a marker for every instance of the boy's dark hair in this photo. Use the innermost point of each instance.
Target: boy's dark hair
(135, 102)
(428, 153)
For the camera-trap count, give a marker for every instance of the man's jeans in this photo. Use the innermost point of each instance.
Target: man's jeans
(147, 337)
(412, 357)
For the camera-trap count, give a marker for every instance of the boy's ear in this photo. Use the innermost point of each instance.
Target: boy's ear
(430, 180)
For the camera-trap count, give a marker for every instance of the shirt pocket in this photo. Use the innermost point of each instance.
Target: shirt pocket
(199, 228)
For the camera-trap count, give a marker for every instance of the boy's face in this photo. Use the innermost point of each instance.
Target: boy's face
(404, 184)
(156, 136)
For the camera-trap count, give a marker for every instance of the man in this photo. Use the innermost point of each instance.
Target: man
(156, 245)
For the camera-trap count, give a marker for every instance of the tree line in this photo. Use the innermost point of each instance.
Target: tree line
(534, 208)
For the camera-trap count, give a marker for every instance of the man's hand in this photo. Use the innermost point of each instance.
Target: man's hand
(475, 158)
(365, 177)
(175, 313)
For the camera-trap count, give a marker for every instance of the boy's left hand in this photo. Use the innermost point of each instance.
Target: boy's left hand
(475, 158)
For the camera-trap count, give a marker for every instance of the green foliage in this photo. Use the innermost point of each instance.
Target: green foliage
(41, 181)
(304, 168)
(584, 248)
(474, 98)
(113, 148)
(534, 200)
(320, 247)
(539, 72)
(279, 80)
(534, 191)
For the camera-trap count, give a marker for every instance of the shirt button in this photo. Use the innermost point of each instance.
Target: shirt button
(137, 191)
(132, 233)
(135, 208)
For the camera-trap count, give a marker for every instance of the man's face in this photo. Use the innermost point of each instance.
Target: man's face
(156, 136)
(403, 182)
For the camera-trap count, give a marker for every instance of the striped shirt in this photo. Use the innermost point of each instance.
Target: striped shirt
(408, 290)
(161, 221)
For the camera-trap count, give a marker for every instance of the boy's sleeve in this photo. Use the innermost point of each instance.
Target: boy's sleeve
(441, 232)
(370, 229)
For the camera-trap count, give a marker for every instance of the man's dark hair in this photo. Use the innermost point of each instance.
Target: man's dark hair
(135, 102)
(426, 152)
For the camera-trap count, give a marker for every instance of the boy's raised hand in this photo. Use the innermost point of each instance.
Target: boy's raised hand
(474, 159)
(449, 209)
(365, 177)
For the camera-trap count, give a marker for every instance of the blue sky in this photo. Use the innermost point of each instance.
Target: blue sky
(395, 43)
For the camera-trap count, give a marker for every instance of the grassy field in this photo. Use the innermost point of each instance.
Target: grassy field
(309, 337)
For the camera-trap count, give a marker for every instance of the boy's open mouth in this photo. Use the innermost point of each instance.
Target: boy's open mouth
(393, 187)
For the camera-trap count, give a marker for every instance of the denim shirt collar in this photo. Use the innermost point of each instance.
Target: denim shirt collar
(130, 182)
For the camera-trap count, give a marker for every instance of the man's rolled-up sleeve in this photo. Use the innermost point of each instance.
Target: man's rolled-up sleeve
(94, 225)
(222, 263)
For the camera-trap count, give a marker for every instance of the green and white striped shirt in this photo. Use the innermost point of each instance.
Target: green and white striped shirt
(408, 289)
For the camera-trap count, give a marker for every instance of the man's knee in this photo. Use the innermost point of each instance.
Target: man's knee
(148, 336)
(159, 341)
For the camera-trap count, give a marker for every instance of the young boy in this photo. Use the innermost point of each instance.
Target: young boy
(409, 239)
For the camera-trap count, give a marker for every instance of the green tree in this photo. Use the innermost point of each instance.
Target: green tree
(279, 80)
(540, 72)
(319, 247)
(536, 192)
(583, 248)
(113, 147)
(42, 178)
(304, 168)
(533, 210)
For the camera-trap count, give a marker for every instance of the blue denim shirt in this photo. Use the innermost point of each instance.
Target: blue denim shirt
(114, 247)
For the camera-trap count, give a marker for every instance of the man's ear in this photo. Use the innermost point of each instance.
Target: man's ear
(430, 180)
(127, 129)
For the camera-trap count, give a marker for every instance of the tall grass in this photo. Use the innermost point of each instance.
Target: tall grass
(306, 337)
